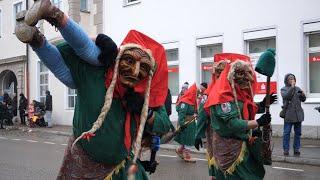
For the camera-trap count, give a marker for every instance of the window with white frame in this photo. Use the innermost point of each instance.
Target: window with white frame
(173, 70)
(17, 7)
(57, 3)
(0, 23)
(206, 59)
(84, 5)
(131, 2)
(313, 59)
(254, 48)
(44, 81)
(71, 98)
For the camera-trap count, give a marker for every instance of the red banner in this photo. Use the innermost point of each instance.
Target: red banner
(173, 69)
(262, 87)
(314, 59)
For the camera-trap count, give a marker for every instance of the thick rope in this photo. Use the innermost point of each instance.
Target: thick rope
(106, 106)
(143, 119)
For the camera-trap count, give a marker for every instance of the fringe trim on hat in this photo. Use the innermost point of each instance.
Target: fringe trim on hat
(132, 45)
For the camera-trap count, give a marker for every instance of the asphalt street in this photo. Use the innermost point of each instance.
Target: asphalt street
(36, 155)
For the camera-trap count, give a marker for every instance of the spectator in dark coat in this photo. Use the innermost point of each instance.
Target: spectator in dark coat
(23, 104)
(15, 105)
(292, 97)
(48, 108)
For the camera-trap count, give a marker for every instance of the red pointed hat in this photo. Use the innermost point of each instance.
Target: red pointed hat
(190, 96)
(222, 92)
(221, 57)
(159, 83)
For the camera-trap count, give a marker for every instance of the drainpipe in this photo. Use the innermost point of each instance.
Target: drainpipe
(27, 64)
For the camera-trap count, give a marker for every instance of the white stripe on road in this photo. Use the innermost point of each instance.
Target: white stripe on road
(165, 155)
(64, 144)
(199, 159)
(16, 139)
(31, 141)
(46, 142)
(3, 137)
(289, 169)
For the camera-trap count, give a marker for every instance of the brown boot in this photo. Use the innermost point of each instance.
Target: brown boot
(27, 34)
(43, 9)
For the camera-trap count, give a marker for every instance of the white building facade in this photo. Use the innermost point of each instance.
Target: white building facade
(193, 31)
(20, 66)
(88, 13)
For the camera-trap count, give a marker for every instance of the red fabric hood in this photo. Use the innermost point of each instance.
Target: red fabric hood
(190, 96)
(221, 92)
(220, 57)
(159, 83)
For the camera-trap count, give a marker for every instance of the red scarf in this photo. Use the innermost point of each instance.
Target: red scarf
(159, 83)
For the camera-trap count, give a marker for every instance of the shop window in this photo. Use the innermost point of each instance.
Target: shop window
(206, 59)
(71, 98)
(57, 3)
(131, 2)
(254, 49)
(44, 81)
(313, 56)
(173, 70)
(17, 7)
(84, 5)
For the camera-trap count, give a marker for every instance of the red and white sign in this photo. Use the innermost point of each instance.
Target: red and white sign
(206, 67)
(173, 69)
(261, 87)
(314, 59)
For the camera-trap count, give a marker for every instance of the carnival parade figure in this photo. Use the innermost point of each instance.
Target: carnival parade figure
(187, 110)
(204, 129)
(120, 99)
(235, 149)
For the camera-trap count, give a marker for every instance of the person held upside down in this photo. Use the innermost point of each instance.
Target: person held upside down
(121, 93)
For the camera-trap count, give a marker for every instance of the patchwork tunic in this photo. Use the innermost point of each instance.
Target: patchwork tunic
(107, 148)
(185, 113)
(232, 156)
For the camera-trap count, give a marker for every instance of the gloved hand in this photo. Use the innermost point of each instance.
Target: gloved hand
(149, 166)
(134, 101)
(256, 133)
(265, 119)
(198, 144)
(109, 50)
(273, 98)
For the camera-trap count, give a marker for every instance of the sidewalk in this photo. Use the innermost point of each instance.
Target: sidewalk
(310, 148)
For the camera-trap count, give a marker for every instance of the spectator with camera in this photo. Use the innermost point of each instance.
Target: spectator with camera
(293, 114)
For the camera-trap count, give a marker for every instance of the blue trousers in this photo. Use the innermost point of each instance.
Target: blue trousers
(80, 42)
(286, 135)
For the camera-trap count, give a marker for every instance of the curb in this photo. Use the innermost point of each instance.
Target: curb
(275, 158)
(60, 133)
